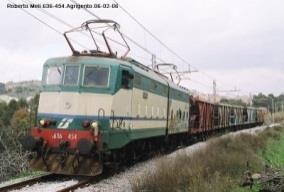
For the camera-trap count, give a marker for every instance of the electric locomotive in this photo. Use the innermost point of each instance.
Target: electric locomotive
(96, 108)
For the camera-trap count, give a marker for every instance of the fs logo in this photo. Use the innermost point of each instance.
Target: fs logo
(64, 124)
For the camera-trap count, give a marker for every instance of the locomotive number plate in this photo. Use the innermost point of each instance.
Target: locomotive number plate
(57, 136)
(72, 136)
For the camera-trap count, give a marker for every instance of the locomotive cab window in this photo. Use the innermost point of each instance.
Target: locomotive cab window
(96, 76)
(126, 79)
(54, 75)
(71, 75)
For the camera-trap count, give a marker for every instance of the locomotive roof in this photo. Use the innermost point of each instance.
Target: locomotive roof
(136, 66)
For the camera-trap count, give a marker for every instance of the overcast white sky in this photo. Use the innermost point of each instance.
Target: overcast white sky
(240, 43)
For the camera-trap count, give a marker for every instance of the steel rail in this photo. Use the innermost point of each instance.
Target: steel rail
(24, 183)
(82, 183)
(86, 182)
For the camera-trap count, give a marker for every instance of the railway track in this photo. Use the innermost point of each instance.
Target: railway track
(30, 181)
(82, 182)
(85, 182)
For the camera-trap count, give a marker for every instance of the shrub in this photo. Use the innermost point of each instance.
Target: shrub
(219, 166)
(13, 160)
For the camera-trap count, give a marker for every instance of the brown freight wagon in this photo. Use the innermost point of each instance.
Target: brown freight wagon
(207, 117)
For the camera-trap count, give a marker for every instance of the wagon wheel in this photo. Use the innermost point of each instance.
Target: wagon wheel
(203, 135)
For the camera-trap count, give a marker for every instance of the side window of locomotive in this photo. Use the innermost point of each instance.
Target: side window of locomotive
(126, 79)
(96, 76)
(137, 80)
(71, 75)
(54, 75)
(245, 114)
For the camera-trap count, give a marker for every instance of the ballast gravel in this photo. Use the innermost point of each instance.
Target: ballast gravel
(47, 186)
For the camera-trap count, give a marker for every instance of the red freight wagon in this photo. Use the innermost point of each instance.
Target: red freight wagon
(201, 116)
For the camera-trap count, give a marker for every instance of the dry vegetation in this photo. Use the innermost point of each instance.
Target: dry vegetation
(279, 117)
(219, 166)
(15, 119)
(13, 160)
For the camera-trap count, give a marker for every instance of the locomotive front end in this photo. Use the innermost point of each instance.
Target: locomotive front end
(73, 115)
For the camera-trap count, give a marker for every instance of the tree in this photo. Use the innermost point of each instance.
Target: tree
(233, 102)
(13, 105)
(262, 100)
(20, 121)
(33, 108)
(22, 103)
(3, 109)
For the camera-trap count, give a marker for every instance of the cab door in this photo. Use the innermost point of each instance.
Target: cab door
(122, 103)
(121, 111)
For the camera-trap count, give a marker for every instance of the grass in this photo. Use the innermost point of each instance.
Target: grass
(219, 166)
(274, 152)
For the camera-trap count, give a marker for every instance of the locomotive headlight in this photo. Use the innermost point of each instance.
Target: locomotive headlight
(46, 122)
(95, 125)
(42, 122)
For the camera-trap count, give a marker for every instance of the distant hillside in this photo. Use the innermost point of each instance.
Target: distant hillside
(23, 89)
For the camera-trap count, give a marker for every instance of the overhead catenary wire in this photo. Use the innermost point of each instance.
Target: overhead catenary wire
(67, 24)
(159, 40)
(71, 27)
(140, 46)
(45, 23)
(150, 33)
(126, 36)
(198, 82)
(41, 21)
(51, 15)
